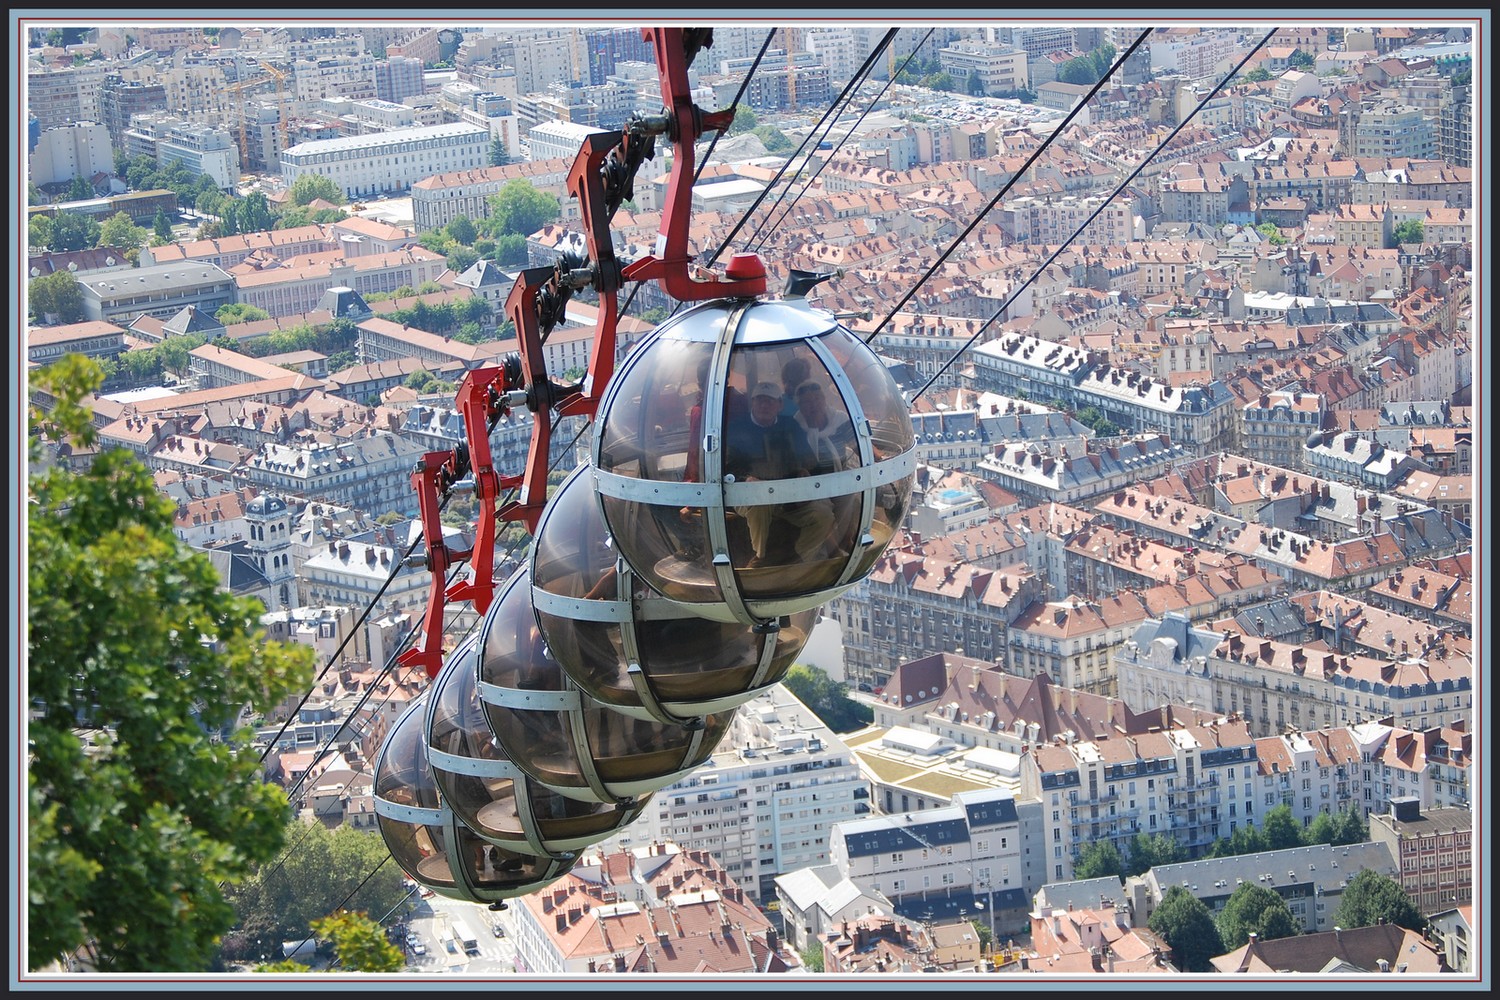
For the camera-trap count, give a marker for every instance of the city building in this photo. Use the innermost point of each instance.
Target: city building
(656, 909)
(388, 161)
(1270, 685)
(1435, 848)
(68, 151)
(960, 860)
(160, 290)
(765, 802)
(1377, 950)
(1104, 786)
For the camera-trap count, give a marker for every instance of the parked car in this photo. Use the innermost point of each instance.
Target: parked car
(418, 948)
(499, 931)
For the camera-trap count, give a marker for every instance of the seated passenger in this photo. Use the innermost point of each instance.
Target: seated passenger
(769, 446)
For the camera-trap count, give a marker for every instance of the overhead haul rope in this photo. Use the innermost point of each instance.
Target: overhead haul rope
(843, 98)
(767, 231)
(1004, 190)
(1120, 187)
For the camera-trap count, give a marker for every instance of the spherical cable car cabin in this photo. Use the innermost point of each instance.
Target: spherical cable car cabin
(753, 459)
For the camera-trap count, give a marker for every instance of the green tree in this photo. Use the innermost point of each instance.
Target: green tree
(1185, 924)
(812, 956)
(81, 190)
(140, 801)
(941, 80)
(1257, 75)
(239, 312)
(359, 943)
(1254, 909)
(985, 935)
(1372, 898)
(511, 249)
(774, 139)
(499, 153)
(827, 698)
(161, 228)
(461, 259)
(521, 209)
(745, 120)
(39, 232)
(1410, 231)
(1244, 840)
(34, 194)
(317, 872)
(1303, 61)
(1146, 851)
(1351, 827)
(1271, 233)
(1281, 829)
(310, 187)
(120, 231)
(462, 231)
(974, 86)
(1321, 830)
(71, 231)
(1098, 859)
(57, 294)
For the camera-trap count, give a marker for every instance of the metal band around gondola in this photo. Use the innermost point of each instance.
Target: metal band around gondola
(409, 814)
(473, 767)
(521, 700)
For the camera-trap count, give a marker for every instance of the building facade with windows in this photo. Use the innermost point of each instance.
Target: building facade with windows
(765, 802)
(388, 161)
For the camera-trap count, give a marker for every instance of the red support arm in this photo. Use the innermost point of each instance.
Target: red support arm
(541, 396)
(436, 472)
(481, 398)
(674, 269)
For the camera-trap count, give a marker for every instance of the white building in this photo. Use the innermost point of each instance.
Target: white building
(78, 150)
(559, 139)
(388, 161)
(963, 859)
(765, 802)
(206, 152)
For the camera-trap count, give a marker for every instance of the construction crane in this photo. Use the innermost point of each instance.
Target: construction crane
(791, 71)
(280, 99)
(242, 113)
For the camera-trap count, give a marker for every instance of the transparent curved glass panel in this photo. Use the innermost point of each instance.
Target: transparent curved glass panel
(630, 753)
(655, 431)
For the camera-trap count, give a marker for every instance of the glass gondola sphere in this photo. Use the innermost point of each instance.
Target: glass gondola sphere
(427, 840)
(488, 793)
(560, 736)
(628, 647)
(753, 459)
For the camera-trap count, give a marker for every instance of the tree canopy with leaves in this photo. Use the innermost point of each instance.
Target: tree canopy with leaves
(1254, 909)
(141, 801)
(308, 188)
(57, 294)
(1410, 231)
(829, 699)
(314, 876)
(519, 208)
(1372, 898)
(1098, 859)
(1184, 922)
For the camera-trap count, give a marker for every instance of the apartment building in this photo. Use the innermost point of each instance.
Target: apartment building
(1435, 852)
(1175, 782)
(388, 161)
(439, 199)
(967, 858)
(1271, 685)
(657, 909)
(765, 802)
